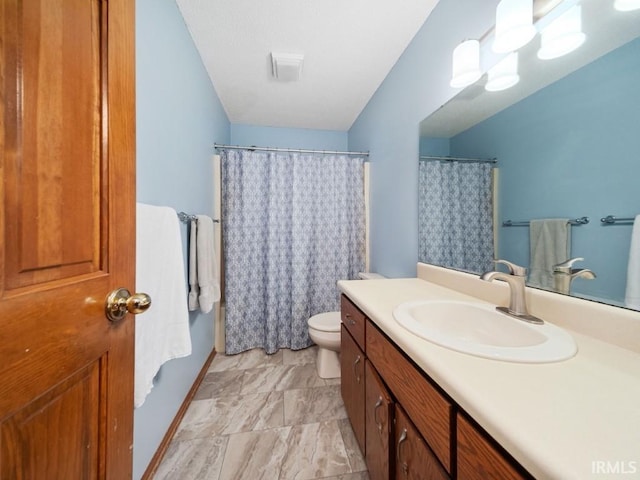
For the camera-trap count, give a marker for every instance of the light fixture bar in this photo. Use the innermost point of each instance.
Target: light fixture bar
(466, 68)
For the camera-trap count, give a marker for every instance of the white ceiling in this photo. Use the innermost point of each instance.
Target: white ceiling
(349, 47)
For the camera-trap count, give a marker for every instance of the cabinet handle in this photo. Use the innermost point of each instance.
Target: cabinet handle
(350, 320)
(375, 414)
(355, 372)
(405, 466)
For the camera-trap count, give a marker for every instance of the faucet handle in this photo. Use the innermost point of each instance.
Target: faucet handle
(514, 269)
(565, 267)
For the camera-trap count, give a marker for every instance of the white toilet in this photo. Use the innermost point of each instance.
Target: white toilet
(324, 330)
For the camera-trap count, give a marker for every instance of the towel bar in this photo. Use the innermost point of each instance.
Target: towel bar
(610, 220)
(575, 221)
(186, 218)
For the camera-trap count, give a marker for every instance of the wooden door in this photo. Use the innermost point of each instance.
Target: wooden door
(414, 459)
(379, 421)
(67, 229)
(352, 384)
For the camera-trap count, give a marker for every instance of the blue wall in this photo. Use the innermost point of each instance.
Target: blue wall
(388, 128)
(571, 150)
(179, 117)
(439, 147)
(247, 135)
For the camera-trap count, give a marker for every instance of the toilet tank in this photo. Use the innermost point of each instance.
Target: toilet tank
(370, 276)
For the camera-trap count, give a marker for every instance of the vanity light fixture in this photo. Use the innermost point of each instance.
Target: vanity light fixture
(504, 74)
(466, 64)
(563, 35)
(514, 25)
(626, 5)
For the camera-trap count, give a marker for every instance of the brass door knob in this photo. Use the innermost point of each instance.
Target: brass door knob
(120, 302)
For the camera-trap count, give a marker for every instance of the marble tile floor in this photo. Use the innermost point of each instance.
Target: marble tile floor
(265, 417)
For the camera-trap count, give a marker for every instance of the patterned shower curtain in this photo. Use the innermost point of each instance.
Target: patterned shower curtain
(455, 222)
(293, 225)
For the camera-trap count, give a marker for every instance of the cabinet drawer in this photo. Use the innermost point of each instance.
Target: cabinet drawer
(479, 459)
(353, 319)
(429, 410)
(414, 459)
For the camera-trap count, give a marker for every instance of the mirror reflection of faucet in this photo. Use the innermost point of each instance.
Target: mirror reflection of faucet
(564, 273)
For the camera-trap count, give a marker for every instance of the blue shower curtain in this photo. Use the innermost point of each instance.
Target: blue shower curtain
(455, 221)
(293, 225)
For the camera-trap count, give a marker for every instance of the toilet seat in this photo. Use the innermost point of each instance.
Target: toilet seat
(326, 322)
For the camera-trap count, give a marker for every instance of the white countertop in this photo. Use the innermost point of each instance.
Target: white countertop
(558, 420)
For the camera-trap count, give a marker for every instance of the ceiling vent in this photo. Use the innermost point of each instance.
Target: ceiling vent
(287, 67)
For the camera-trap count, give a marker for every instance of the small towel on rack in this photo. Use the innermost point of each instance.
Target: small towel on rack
(632, 294)
(550, 244)
(193, 269)
(162, 333)
(208, 279)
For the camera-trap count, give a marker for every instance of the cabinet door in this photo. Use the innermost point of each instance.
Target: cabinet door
(429, 410)
(379, 414)
(479, 459)
(352, 384)
(414, 459)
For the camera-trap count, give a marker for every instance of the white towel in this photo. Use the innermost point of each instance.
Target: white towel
(162, 333)
(632, 295)
(208, 279)
(550, 244)
(193, 270)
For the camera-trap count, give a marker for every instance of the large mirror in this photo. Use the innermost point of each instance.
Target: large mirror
(566, 141)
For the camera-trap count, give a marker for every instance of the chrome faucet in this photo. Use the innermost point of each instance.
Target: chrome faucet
(564, 273)
(516, 280)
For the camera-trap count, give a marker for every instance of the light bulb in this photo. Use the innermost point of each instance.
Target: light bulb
(626, 5)
(466, 64)
(504, 74)
(563, 35)
(514, 25)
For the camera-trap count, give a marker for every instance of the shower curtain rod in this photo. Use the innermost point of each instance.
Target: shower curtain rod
(289, 150)
(458, 159)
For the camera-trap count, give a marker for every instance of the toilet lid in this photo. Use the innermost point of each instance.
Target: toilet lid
(326, 322)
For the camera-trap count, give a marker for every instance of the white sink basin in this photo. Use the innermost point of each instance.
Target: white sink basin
(478, 329)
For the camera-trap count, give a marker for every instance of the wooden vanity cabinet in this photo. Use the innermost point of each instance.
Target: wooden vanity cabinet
(480, 458)
(405, 425)
(429, 410)
(352, 359)
(414, 460)
(354, 320)
(352, 384)
(378, 426)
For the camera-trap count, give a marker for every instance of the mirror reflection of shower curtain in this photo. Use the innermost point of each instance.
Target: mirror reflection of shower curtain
(455, 224)
(293, 225)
